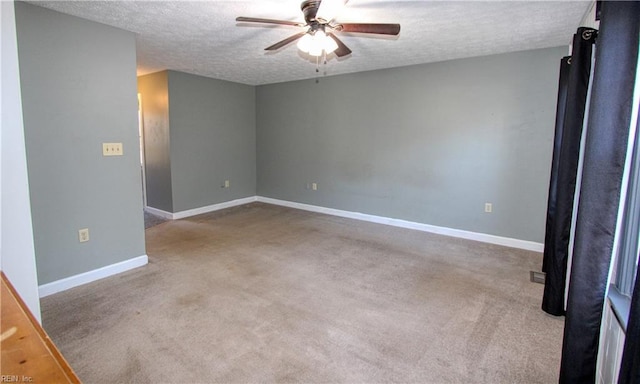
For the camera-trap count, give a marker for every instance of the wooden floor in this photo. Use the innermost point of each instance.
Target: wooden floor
(28, 355)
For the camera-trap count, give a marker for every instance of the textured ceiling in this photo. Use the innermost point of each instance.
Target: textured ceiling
(203, 37)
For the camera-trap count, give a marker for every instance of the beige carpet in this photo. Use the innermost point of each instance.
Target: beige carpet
(260, 294)
(151, 220)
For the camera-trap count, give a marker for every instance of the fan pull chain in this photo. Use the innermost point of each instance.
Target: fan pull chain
(325, 63)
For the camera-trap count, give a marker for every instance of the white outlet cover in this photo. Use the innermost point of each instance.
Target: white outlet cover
(83, 235)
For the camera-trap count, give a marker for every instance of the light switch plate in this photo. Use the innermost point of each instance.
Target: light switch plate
(112, 149)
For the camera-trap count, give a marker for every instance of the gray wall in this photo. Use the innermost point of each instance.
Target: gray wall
(154, 91)
(429, 143)
(212, 124)
(78, 83)
(199, 132)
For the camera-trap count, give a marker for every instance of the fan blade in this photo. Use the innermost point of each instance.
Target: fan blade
(329, 9)
(342, 50)
(286, 41)
(269, 21)
(380, 29)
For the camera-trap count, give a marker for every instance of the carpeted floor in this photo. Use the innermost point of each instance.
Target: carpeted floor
(151, 220)
(261, 293)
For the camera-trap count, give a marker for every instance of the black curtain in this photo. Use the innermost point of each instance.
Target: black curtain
(555, 160)
(567, 153)
(604, 159)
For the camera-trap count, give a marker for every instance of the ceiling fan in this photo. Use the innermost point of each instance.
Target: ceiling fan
(319, 39)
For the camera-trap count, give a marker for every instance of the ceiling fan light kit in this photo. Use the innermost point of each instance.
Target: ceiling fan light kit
(317, 44)
(319, 39)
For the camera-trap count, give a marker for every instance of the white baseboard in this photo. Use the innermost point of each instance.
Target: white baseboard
(482, 237)
(159, 212)
(201, 210)
(87, 277)
(214, 207)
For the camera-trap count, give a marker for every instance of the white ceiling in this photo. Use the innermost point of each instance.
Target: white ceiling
(203, 37)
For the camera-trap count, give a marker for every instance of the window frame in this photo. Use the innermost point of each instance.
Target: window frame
(628, 251)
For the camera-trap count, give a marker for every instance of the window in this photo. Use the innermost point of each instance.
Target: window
(629, 246)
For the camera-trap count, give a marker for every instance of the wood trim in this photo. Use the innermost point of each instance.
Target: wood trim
(28, 354)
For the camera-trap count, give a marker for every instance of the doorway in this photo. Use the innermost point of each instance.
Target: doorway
(142, 162)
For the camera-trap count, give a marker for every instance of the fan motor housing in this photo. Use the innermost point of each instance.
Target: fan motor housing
(310, 9)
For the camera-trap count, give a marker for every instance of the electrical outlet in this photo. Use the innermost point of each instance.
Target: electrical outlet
(488, 207)
(314, 186)
(227, 183)
(83, 235)
(112, 149)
